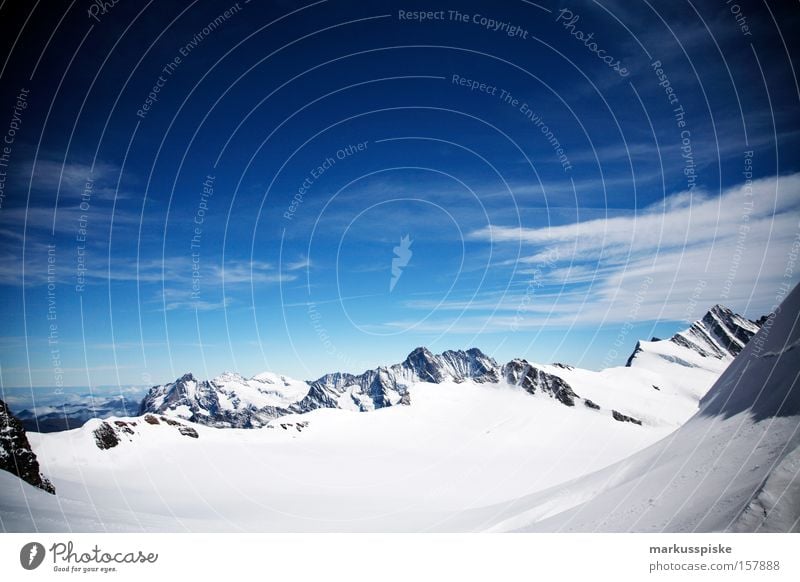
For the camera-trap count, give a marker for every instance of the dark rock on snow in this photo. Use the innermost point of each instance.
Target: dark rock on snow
(625, 418)
(16, 455)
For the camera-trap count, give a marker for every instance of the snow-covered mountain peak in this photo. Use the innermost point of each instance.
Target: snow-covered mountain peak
(424, 364)
(229, 400)
(720, 334)
(272, 378)
(419, 353)
(519, 372)
(228, 376)
(455, 365)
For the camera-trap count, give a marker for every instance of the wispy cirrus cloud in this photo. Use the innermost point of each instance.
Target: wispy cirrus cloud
(205, 292)
(70, 178)
(693, 249)
(683, 220)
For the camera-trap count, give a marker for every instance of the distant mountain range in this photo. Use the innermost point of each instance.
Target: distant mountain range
(230, 400)
(65, 414)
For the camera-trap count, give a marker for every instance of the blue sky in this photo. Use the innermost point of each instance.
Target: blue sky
(242, 206)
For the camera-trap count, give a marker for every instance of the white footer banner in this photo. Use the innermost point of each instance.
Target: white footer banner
(388, 557)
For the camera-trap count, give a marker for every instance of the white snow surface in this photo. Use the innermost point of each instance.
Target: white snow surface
(402, 468)
(732, 467)
(265, 389)
(663, 385)
(466, 456)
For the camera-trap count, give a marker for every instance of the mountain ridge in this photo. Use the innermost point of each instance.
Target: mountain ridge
(230, 400)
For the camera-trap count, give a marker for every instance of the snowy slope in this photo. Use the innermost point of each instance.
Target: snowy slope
(662, 386)
(404, 468)
(732, 466)
(481, 445)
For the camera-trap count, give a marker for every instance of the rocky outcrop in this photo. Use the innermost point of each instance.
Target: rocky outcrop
(105, 437)
(112, 433)
(720, 333)
(533, 380)
(637, 349)
(188, 431)
(16, 455)
(625, 418)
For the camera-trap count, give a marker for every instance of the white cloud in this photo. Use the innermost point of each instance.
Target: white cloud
(683, 220)
(70, 179)
(692, 249)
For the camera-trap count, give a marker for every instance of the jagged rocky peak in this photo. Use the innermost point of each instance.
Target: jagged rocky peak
(532, 379)
(454, 365)
(229, 400)
(475, 365)
(185, 394)
(388, 386)
(424, 364)
(720, 333)
(174, 390)
(16, 455)
(637, 349)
